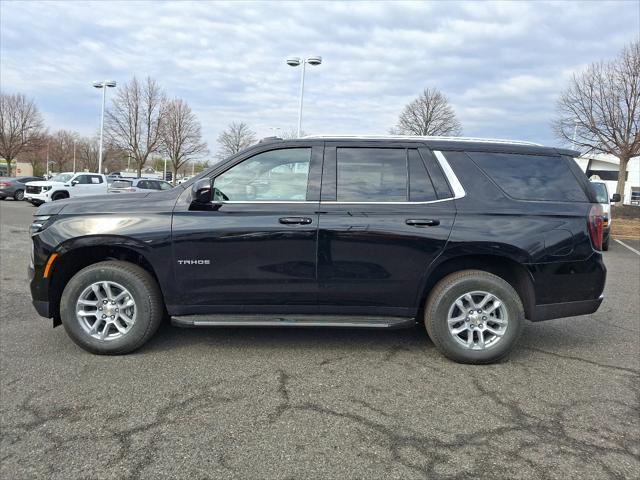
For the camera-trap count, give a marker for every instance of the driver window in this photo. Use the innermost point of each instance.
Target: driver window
(277, 175)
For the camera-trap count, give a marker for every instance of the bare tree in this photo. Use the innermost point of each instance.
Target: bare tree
(60, 146)
(20, 125)
(236, 137)
(36, 154)
(429, 114)
(134, 121)
(181, 135)
(88, 149)
(600, 110)
(291, 134)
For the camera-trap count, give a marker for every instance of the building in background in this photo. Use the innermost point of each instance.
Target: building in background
(19, 169)
(606, 168)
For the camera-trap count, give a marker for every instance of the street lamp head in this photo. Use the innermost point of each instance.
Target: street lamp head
(314, 60)
(293, 61)
(106, 83)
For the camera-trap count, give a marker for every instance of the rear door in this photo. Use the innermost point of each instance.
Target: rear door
(386, 214)
(257, 249)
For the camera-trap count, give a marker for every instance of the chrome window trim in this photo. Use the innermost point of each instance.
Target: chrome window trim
(456, 186)
(264, 201)
(336, 202)
(458, 189)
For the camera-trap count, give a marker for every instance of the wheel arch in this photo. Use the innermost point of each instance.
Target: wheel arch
(504, 267)
(71, 260)
(58, 192)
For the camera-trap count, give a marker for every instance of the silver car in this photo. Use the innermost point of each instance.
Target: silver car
(131, 185)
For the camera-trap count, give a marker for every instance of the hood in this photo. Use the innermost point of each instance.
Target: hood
(43, 183)
(116, 203)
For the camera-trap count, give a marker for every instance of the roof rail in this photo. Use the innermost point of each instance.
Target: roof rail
(432, 138)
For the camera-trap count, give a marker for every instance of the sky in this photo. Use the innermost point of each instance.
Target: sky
(502, 65)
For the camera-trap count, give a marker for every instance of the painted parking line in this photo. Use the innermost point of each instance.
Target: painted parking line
(627, 246)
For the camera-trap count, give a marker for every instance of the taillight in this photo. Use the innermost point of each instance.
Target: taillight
(596, 224)
(4, 185)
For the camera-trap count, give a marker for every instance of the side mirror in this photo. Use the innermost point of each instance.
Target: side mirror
(616, 197)
(201, 194)
(74, 183)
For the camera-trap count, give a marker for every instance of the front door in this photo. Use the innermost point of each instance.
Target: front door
(386, 214)
(256, 251)
(87, 184)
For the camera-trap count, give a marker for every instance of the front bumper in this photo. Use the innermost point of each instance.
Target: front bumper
(38, 198)
(42, 307)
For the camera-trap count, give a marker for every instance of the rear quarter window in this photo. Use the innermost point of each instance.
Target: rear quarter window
(531, 177)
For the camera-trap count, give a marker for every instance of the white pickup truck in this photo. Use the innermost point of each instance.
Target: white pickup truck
(65, 185)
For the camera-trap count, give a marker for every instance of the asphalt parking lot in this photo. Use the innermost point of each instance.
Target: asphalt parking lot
(335, 404)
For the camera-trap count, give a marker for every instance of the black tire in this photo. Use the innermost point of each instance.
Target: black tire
(443, 296)
(143, 289)
(605, 244)
(18, 195)
(59, 196)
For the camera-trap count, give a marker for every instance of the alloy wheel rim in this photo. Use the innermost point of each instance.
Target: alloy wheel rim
(106, 310)
(477, 320)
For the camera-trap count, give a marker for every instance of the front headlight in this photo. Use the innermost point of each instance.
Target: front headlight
(39, 223)
(46, 188)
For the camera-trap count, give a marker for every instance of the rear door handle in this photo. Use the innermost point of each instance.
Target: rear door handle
(295, 220)
(422, 222)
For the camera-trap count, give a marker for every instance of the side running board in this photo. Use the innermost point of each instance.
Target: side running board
(224, 320)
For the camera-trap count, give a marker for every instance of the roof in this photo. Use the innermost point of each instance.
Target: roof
(424, 138)
(448, 143)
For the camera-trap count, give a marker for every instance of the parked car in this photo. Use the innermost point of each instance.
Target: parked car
(14, 187)
(65, 185)
(602, 197)
(466, 237)
(138, 184)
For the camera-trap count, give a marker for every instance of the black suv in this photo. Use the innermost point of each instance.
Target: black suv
(468, 236)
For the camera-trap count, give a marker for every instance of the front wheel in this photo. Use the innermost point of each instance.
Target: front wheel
(111, 307)
(474, 316)
(59, 196)
(19, 195)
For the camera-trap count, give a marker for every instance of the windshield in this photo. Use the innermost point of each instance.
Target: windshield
(601, 192)
(61, 177)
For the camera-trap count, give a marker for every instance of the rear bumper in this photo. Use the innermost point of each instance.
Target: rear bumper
(565, 309)
(567, 289)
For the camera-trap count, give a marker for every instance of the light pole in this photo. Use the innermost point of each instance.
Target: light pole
(103, 85)
(295, 62)
(47, 160)
(74, 155)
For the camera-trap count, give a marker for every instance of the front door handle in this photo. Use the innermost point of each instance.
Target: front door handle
(422, 222)
(295, 220)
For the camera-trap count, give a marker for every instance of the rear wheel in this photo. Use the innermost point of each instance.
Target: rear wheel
(474, 316)
(605, 244)
(19, 195)
(111, 307)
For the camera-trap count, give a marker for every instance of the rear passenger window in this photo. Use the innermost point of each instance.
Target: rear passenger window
(420, 186)
(531, 177)
(371, 175)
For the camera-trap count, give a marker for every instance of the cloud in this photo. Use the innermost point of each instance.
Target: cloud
(501, 64)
